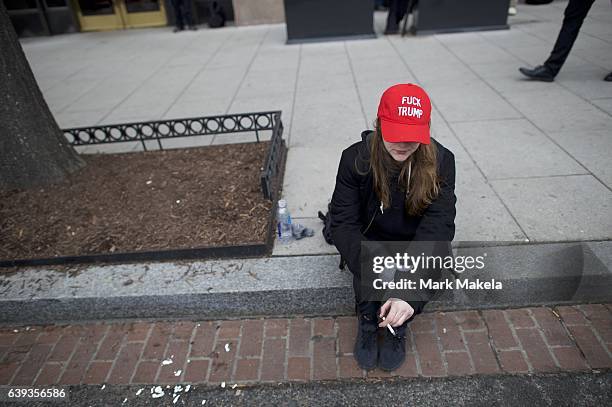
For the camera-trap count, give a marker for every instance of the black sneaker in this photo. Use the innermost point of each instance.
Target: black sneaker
(392, 352)
(366, 349)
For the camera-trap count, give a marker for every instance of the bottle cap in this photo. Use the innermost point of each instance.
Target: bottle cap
(282, 203)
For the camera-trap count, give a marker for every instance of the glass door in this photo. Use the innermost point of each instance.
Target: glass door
(97, 15)
(143, 13)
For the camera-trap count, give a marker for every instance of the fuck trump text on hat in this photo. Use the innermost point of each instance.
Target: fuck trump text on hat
(404, 112)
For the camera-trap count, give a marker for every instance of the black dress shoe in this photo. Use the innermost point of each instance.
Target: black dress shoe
(539, 73)
(608, 77)
(392, 352)
(366, 347)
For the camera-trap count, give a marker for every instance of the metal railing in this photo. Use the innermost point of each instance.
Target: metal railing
(156, 131)
(274, 159)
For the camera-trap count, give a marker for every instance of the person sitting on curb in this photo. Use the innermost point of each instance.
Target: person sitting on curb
(397, 184)
(574, 15)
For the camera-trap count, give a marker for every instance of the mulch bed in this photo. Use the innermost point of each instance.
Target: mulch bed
(146, 201)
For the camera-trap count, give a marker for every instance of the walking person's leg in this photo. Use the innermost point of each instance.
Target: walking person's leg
(397, 10)
(178, 14)
(188, 14)
(512, 8)
(574, 15)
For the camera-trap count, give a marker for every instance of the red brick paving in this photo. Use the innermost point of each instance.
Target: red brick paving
(512, 361)
(146, 372)
(429, 355)
(298, 368)
(273, 360)
(540, 339)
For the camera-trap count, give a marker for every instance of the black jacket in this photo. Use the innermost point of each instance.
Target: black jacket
(354, 204)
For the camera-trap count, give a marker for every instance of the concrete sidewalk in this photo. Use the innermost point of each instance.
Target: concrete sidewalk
(533, 159)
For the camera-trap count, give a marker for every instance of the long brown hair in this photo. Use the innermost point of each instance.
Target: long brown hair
(423, 184)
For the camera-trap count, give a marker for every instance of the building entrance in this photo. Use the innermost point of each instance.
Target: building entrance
(96, 15)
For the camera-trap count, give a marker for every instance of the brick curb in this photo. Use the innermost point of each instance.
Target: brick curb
(251, 351)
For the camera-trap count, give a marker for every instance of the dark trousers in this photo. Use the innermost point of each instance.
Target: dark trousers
(182, 11)
(575, 13)
(371, 308)
(397, 11)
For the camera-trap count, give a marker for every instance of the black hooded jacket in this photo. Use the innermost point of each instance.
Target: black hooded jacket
(355, 205)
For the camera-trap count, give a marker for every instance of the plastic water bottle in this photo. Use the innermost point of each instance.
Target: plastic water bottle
(283, 222)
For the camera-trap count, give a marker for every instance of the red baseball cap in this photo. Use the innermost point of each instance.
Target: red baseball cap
(404, 112)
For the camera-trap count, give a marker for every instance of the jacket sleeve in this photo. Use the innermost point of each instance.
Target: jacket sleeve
(345, 209)
(438, 221)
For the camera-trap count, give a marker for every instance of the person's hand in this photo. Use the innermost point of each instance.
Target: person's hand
(396, 312)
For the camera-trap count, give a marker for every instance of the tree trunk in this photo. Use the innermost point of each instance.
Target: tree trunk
(33, 150)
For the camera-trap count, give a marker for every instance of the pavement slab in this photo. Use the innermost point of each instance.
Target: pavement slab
(560, 202)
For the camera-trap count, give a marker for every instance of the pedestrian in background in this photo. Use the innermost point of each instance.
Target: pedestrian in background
(512, 8)
(574, 15)
(183, 16)
(397, 11)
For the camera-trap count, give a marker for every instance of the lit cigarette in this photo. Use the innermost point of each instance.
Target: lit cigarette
(389, 327)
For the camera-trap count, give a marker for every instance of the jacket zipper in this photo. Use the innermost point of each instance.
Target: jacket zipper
(372, 220)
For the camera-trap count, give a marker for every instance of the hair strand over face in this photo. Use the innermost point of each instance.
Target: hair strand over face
(424, 182)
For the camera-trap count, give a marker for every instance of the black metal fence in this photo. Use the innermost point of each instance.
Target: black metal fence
(155, 131)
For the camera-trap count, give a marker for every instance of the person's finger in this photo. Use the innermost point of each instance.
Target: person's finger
(392, 318)
(402, 318)
(384, 322)
(385, 308)
(410, 311)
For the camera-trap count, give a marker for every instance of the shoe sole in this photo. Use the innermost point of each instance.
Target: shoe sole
(394, 368)
(365, 367)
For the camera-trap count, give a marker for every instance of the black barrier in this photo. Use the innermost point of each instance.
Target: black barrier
(188, 127)
(321, 20)
(440, 16)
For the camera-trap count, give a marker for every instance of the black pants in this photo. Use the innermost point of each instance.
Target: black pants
(182, 11)
(575, 13)
(397, 11)
(363, 306)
